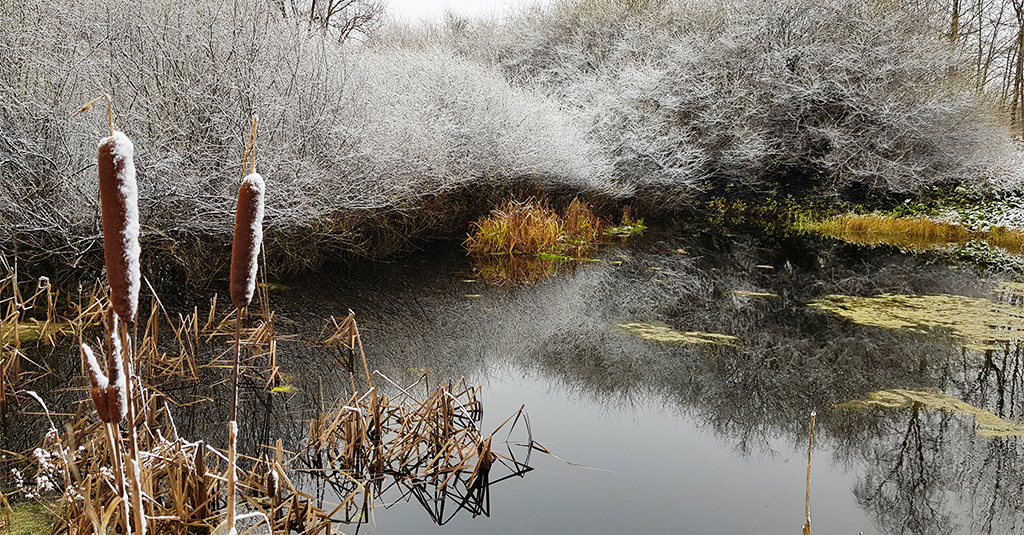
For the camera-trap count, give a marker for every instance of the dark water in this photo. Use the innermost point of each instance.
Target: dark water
(669, 437)
(688, 438)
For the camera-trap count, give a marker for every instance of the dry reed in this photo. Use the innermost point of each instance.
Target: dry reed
(914, 233)
(431, 447)
(516, 227)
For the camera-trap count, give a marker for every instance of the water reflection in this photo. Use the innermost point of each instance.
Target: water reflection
(914, 470)
(789, 359)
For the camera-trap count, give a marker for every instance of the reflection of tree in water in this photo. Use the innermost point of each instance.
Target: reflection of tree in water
(906, 487)
(789, 360)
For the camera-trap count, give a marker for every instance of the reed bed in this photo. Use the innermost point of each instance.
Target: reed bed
(183, 481)
(431, 447)
(516, 227)
(915, 233)
(424, 444)
(28, 321)
(128, 470)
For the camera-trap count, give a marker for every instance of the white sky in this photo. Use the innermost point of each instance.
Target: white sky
(416, 10)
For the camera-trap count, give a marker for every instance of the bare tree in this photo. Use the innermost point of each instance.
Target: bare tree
(341, 17)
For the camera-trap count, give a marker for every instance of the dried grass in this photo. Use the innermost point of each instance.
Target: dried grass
(517, 227)
(914, 233)
(532, 228)
(429, 447)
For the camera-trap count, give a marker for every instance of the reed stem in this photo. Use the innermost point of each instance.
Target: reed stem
(807, 506)
(134, 470)
(233, 423)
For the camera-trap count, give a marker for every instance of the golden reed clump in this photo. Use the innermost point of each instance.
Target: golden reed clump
(245, 248)
(120, 204)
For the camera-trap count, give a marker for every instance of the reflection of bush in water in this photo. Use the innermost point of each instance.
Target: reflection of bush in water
(507, 268)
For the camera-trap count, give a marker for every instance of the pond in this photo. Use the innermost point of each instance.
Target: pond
(684, 436)
(672, 380)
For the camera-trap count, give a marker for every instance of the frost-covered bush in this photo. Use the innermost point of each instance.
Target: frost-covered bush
(806, 96)
(344, 129)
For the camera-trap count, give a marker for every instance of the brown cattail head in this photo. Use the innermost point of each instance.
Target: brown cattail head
(273, 483)
(245, 248)
(98, 379)
(120, 203)
(117, 390)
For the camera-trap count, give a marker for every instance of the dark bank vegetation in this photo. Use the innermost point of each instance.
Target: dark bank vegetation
(374, 144)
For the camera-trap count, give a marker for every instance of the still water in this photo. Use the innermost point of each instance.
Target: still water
(699, 427)
(680, 437)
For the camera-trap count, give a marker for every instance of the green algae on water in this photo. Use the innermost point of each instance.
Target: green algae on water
(986, 423)
(968, 318)
(664, 334)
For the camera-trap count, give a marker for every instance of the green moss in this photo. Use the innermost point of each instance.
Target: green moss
(32, 331)
(27, 518)
(986, 423)
(556, 257)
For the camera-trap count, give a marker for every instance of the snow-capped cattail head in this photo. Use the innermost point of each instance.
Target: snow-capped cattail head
(245, 248)
(273, 483)
(120, 203)
(98, 379)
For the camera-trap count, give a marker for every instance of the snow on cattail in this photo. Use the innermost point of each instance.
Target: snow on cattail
(109, 397)
(120, 203)
(98, 392)
(117, 397)
(245, 248)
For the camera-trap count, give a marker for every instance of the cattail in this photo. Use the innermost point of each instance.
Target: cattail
(109, 392)
(98, 392)
(120, 203)
(117, 396)
(273, 484)
(247, 241)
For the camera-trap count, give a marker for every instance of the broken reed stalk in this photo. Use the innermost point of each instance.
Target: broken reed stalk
(245, 250)
(807, 506)
(120, 205)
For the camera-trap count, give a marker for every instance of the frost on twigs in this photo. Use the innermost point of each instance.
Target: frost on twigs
(247, 241)
(120, 204)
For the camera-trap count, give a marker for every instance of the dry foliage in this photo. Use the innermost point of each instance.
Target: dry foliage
(915, 233)
(430, 446)
(516, 227)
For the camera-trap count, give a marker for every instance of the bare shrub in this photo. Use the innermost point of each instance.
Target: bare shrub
(350, 132)
(806, 96)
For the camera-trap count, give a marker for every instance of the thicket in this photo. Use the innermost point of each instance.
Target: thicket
(415, 131)
(836, 98)
(354, 139)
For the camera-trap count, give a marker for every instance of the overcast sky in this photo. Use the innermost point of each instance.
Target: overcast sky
(415, 10)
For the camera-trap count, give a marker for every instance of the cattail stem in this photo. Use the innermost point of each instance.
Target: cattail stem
(807, 507)
(233, 423)
(250, 148)
(113, 438)
(110, 109)
(132, 463)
